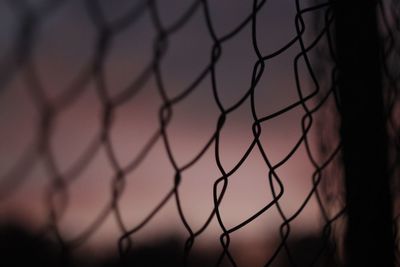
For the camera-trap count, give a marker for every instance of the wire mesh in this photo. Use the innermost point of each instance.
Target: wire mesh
(314, 101)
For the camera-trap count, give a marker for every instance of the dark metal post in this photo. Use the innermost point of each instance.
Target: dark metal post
(369, 239)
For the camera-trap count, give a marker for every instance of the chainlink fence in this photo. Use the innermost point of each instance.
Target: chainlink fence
(216, 119)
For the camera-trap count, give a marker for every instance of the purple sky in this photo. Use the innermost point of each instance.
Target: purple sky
(65, 43)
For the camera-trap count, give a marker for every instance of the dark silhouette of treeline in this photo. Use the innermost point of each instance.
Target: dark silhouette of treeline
(21, 247)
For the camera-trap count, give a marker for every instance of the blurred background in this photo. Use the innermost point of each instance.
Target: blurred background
(103, 103)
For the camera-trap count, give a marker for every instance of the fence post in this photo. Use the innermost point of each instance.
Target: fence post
(369, 238)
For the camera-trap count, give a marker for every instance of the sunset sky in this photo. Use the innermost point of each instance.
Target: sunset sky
(64, 43)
